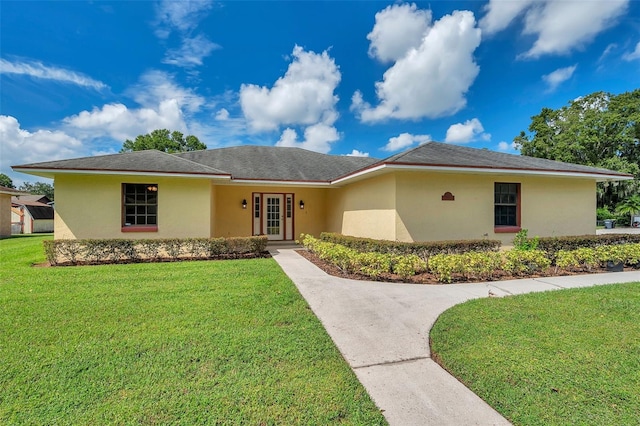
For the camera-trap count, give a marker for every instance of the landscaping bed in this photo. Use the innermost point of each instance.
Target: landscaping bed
(430, 278)
(526, 260)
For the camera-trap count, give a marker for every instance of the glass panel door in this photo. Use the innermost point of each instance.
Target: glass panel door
(273, 216)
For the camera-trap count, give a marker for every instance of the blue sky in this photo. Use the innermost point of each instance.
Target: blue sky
(340, 77)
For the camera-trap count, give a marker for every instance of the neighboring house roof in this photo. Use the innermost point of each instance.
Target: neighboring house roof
(40, 212)
(278, 163)
(11, 191)
(36, 209)
(40, 198)
(300, 166)
(151, 162)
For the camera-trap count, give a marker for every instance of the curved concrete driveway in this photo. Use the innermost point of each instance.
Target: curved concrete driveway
(382, 330)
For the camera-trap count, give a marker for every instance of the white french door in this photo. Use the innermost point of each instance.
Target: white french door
(272, 216)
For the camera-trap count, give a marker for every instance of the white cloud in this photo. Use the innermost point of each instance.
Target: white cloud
(303, 96)
(405, 140)
(120, 123)
(632, 55)
(317, 137)
(183, 16)
(557, 77)
(398, 28)
(559, 26)
(465, 132)
(500, 14)
(506, 146)
(156, 87)
(357, 153)
(222, 115)
(430, 80)
(38, 70)
(20, 146)
(191, 53)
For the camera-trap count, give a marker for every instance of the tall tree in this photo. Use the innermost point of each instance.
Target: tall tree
(600, 129)
(38, 188)
(163, 140)
(6, 181)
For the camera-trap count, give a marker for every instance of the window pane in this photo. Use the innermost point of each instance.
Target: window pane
(140, 204)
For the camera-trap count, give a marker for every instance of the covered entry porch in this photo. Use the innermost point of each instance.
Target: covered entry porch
(281, 213)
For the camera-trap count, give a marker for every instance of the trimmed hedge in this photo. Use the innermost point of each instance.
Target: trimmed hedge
(422, 249)
(552, 245)
(472, 266)
(101, 251)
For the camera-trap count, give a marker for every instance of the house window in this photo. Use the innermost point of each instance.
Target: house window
(507, 205)
(289, 206)
(140, 205)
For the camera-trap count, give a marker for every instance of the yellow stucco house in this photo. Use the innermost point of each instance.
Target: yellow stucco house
(433, 192)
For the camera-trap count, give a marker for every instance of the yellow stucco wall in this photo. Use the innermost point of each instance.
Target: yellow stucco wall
(231, 220)
(408, 206)
(89, 206)
(365, 208)
(549, 206)
(5, 215)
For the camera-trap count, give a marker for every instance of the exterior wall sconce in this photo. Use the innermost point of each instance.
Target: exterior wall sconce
(244, 204)
(301, 205)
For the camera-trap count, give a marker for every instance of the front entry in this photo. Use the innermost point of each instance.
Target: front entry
(273, 216)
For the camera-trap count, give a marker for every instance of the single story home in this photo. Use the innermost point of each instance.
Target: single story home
(432, 192)
(5, 209)
(31, 214)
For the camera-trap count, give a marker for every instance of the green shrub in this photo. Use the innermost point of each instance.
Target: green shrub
(99, 251)
(372, 264)
(525, 261)
(421, 249)
(603, 213)
(552, 245)
(523, 242)
(408, 265)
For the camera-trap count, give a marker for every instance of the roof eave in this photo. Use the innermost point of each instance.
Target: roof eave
(50, 173)
(306, 183)
(599, 177)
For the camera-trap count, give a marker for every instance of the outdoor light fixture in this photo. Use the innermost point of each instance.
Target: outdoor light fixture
(244, 203)
(301, 205)
(152, 188)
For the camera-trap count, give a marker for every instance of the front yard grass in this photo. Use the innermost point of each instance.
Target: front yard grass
(554, 358)
(212, 342)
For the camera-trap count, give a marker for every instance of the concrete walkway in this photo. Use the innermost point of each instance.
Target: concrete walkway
(382, 330)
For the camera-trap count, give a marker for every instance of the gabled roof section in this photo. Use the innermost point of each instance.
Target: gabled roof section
(442, 156)
(151, 162)
(272, 163)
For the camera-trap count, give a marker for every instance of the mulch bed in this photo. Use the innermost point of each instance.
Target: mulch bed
(428, 278)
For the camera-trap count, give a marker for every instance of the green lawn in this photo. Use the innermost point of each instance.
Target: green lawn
(224, 342)
(556, 358)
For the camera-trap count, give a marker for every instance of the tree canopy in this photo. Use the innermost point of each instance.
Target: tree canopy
(600, 130)
(38, 188)
(6, 181)
(163, 140)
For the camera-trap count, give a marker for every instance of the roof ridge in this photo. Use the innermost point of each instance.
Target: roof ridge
(399, 155)
(177, 156)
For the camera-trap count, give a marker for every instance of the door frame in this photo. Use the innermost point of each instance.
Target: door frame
(258, 214)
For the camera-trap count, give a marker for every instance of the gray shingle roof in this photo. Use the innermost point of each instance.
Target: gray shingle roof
(442, 154)
(151, 161)
(287, 164)
(278, 163)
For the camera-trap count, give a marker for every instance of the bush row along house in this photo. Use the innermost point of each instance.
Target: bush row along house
(432, 192)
